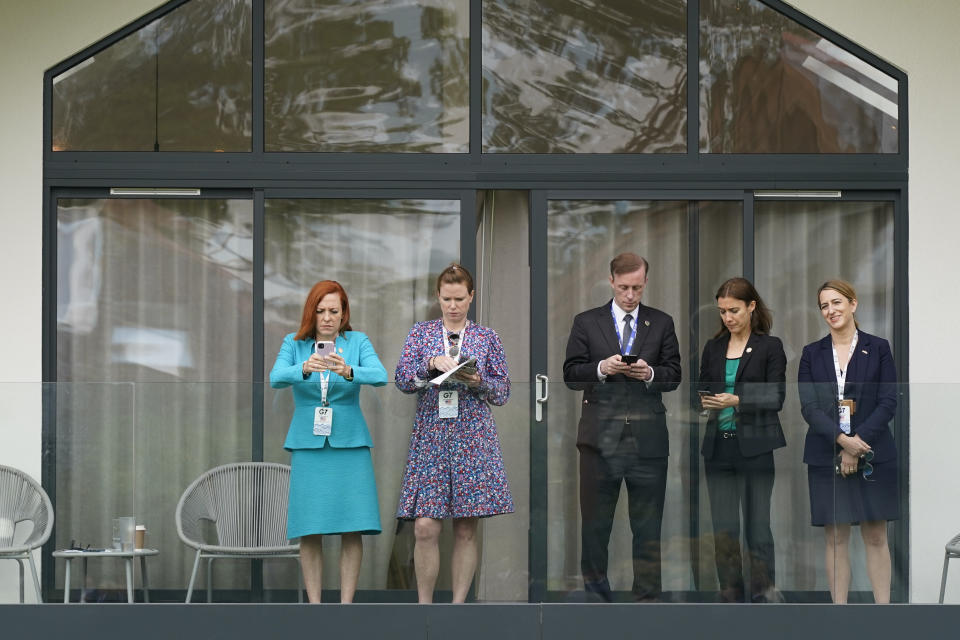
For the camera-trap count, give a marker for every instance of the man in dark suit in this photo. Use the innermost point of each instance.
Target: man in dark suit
(622, 435)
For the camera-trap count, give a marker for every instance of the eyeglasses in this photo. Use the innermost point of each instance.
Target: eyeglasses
(866, 469)
(863, 465)
(76, 546)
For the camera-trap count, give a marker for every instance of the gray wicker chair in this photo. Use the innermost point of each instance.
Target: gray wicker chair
(247, 504)
(951, 551)
(22, 499)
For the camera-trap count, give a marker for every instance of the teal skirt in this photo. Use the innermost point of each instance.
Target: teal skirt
(332, 491)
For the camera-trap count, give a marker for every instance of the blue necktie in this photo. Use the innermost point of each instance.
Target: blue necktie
(627, 332)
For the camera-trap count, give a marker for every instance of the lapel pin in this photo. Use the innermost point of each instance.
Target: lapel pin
(864, 352)
(749, 349)
(646, 323)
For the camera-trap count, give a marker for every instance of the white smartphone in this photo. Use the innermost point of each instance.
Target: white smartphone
(324, 349)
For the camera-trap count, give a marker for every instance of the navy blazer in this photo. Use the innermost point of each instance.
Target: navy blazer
(606, 405)
(760, 384)
(871, 382)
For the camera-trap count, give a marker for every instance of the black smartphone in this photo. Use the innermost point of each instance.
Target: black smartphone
(703, 392)
(468, 369)
(628, 359)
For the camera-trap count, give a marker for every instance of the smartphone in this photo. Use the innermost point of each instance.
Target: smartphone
(629, 359)
(324, 349)
(703, 394)
(469, 369)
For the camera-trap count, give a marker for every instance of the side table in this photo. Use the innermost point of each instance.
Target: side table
(128, 556)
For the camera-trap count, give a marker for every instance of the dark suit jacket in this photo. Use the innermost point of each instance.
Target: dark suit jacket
(607, 405)
(871, 383)
(760, 384)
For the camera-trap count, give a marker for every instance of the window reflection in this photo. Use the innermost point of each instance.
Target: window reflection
(386, 254)
(181, 83)
(852, 240)
(583, 236)
(154, 300)
(769, 85)
(353, 75)
(567, 76)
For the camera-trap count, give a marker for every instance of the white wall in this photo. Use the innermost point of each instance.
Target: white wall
(918, 37)
(34, 36)
(921, 39)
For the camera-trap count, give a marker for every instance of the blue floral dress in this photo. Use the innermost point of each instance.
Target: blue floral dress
(454, 467)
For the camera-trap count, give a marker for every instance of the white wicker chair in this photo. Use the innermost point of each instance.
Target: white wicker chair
(247, 504)
(22, 499)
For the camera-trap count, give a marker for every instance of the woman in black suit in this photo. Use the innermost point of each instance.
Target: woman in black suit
(848, 395)
(742, 385)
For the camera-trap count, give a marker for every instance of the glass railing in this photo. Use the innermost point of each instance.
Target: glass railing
(736, 523)
(735, 526)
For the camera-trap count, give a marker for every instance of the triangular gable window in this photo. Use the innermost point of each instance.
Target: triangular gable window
(181, 83)
(770, 85)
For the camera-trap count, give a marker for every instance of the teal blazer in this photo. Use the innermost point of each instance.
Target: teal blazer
(349, 428)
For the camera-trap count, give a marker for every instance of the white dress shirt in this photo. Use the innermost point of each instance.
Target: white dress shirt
(620, 314)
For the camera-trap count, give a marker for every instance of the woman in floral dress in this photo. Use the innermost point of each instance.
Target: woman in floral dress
(454, 468)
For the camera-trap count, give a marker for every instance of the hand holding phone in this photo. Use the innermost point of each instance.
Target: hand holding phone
(467, 371)
(317, 362)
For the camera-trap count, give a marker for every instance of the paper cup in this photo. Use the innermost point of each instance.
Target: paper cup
(141, 536)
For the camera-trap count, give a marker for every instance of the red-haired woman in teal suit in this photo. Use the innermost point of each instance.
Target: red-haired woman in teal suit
(332, 486)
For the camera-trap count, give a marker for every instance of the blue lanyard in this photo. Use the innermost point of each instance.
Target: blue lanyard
(616, 326)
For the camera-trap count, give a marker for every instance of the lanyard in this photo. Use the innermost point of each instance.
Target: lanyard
(842, 374)
(616, 326)
(324, 385)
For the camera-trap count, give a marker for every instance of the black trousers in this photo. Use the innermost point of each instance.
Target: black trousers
(600, 480)
(736, 484)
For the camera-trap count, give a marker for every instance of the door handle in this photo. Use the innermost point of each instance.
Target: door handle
(541, 398)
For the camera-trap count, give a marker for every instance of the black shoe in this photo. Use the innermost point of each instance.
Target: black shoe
(730, 595)
(598, 591)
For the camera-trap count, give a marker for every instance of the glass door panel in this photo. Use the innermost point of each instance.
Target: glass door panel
(503, 304)
(153, 367)
(720, 256)
(582, 237)
(386, 253)
(852, 240)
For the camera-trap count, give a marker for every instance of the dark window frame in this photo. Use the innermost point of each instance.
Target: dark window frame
(256, 173)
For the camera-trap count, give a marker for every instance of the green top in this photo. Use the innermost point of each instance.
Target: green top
(728, 421)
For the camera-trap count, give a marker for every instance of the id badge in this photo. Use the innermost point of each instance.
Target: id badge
(449, 404)
(322, 421)
(844, 417)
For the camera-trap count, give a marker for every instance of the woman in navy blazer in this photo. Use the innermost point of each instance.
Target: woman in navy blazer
(332, 486)
(744, 370)
(849, 451)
